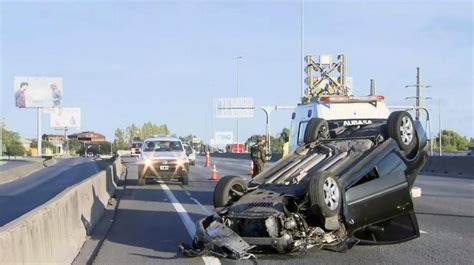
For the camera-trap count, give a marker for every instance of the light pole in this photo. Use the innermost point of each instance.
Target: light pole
(302, 49)
(237, 58)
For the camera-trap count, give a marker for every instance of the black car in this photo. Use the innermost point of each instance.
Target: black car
(342, 187)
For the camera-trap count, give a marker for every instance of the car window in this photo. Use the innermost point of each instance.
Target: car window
(301, 130)
(136, 145)
(162, 146)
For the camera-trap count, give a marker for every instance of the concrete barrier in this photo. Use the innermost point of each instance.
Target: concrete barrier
(454, 165)
(245, 156)
(19, 171)
(55, 231)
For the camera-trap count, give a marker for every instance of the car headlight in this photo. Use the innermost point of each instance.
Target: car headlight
(181, 161)
(148, 162)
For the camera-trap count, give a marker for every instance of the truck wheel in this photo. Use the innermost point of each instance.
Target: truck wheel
(401, 128)
(228, 189)
(185, 179)
(316, 129)
(324, 194)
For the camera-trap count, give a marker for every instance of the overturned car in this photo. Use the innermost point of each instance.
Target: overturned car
(341, 187)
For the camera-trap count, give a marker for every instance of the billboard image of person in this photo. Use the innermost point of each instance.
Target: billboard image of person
(20, 95)
(38, 92)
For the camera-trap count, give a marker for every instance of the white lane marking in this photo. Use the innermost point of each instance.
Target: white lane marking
(187, 193)
(423, 232)
(188, 223)
(201, 206)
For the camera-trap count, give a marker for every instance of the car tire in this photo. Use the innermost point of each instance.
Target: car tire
(401, 128)
(228, 189)
(324, 194)
(316, 129)
(185, 179)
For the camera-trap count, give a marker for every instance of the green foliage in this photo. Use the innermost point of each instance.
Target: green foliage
(120, 141)
(11, 142)
(44, 144)
(276, 142)
(102, 148)
(452, 141)
(74, 145)
(124, 137)
(187, 139)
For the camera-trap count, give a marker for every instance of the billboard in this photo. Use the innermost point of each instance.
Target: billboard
(38, 92)
(65, 118)
(223, 138)
(234, 108)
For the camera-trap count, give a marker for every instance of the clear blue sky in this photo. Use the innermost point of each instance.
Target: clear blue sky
(164, 61)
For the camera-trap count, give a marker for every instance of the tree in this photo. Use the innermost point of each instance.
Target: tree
(187, 139)
(120, 143)
(74, 145)
(452, 141)
(11, 144)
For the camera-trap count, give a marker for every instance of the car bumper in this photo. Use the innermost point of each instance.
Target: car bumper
(165, 171)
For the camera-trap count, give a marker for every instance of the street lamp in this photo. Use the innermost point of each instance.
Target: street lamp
(237, 58)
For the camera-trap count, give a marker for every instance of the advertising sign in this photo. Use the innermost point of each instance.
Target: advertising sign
(65, 118)
(38, 92)
(234, 108)
(224, 138)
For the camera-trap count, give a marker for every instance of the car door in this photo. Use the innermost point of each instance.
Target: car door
(379, 205)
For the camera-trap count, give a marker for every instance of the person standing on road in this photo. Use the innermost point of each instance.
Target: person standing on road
(259, 155)
(286, 146)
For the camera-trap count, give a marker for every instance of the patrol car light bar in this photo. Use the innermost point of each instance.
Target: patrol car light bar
(349, 99)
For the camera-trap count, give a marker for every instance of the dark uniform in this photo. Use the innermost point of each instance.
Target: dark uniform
(259, 158)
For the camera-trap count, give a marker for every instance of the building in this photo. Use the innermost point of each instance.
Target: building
(88, 137)
(54, 139)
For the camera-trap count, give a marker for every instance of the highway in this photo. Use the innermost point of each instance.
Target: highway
(153, 220)
(21, 196)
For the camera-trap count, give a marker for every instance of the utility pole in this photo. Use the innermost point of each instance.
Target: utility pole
(418, 96)
(439, 124)
(418, 93)
(38, 136)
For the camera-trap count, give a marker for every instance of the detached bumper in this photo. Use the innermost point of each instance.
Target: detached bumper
(214, 238)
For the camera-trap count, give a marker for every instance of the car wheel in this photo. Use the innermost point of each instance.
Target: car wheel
(324, 194)
(401, 128)
(185, 179)
(228, 189)
(316, 129)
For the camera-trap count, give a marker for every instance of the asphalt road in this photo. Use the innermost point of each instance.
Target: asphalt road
(153, 220)
(21, 196)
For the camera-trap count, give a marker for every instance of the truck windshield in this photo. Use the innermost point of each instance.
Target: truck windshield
(162, 146)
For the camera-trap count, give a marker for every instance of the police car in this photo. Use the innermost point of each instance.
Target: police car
(164, 158)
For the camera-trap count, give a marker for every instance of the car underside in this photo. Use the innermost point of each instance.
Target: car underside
(331, 193)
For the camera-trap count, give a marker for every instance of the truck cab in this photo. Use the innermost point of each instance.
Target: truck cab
(340, 112)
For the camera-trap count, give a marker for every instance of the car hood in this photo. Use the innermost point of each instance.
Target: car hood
(163, 155)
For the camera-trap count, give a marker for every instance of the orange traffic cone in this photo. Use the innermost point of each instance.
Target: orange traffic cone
(214, 173)
(208, 160)
(251, 168)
